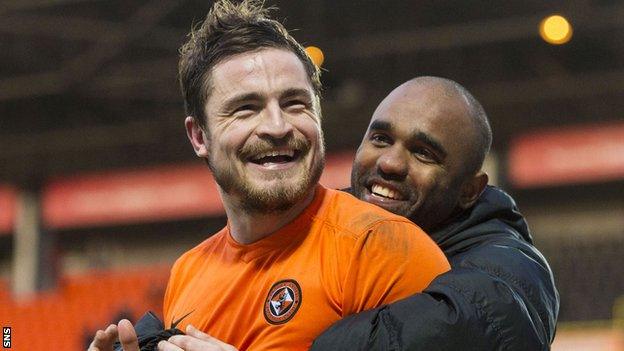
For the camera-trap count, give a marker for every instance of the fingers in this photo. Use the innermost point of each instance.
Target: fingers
(192, 331)
(167, 346)
(104, 339)
(127, 336)
(195, 340)
(190, 343)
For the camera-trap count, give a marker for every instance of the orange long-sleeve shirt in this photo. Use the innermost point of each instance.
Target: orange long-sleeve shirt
(339, 257)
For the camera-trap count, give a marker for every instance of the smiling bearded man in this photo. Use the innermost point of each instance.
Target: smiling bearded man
(278, 166)
(294, 256)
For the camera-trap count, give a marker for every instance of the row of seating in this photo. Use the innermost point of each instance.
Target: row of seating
(66, 317)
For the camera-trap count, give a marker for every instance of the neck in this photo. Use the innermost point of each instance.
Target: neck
(249, 227)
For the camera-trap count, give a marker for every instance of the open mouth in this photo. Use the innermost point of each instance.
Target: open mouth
(275, 157)
(385, 192)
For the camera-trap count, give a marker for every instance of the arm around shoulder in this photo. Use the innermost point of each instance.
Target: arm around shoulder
(390, 261)
(476, 306)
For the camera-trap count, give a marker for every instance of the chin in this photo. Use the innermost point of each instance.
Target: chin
(399, 210)
(274, 198)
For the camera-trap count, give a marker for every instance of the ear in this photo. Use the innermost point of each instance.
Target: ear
(472, 189)
(197, 136)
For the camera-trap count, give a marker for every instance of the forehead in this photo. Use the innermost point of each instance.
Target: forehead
(428, 109)
(263, 71)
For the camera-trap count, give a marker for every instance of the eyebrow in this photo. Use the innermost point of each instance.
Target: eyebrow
(417, 135)
(381, 125)
(291, 92)
(288, 93)
(238, 99)
(431, 142)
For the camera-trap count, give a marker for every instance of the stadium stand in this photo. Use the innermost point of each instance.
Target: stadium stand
(68, 316)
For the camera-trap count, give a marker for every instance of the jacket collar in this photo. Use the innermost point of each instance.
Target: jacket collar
(494, 212)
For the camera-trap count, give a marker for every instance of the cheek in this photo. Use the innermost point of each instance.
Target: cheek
(367, 156)
(233, 136)
(310, 128)
(424, 178)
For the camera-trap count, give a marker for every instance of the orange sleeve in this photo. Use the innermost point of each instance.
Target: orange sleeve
(170, 292)
(391, 260)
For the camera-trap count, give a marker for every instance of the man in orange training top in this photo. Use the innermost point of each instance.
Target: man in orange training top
(294, 257)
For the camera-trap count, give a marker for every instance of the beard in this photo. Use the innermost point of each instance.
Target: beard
(287, 188)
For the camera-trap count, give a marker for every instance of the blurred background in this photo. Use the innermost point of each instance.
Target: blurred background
(100, 191)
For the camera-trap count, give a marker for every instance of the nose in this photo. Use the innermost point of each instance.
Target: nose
(392, 164)
(273, 122)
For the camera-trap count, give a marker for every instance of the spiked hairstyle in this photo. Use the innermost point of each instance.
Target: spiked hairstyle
(230, 29)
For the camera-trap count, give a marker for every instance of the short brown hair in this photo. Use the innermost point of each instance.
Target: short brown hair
(231, 29)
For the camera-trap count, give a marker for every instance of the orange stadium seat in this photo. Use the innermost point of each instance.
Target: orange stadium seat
(67, 317)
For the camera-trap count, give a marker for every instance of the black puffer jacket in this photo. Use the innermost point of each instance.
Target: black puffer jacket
(499, 294)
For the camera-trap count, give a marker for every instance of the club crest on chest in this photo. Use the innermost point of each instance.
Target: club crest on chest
(282, 302)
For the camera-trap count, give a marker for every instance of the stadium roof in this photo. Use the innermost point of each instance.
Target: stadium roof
(87, 85)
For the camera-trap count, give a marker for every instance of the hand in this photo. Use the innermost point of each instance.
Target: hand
(104, 339)
(194, 340)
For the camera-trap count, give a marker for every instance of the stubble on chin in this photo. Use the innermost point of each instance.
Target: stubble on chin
(358, 182)
(254, 198)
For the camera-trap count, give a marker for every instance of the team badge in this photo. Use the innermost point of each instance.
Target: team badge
(282, 302)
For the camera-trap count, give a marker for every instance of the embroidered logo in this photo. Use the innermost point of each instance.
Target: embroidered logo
(282, 302)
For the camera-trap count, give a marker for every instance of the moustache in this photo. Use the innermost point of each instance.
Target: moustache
(298, 144)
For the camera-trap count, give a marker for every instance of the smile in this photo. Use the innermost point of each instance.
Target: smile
(275, 159)
(382, 191)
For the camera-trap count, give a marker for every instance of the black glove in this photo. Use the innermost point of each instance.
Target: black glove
(150, 331)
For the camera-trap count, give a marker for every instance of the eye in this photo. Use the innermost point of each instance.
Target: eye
(295, 104)
(424, 154)
(380, 140)
(244, 109)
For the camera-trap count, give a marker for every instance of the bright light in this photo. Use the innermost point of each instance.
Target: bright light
(316, 55)
(555, 30)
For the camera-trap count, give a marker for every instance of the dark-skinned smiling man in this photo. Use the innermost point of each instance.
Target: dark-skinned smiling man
(421, 157)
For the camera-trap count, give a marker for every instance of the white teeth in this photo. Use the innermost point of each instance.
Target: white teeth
(385, 192)
(289, 153)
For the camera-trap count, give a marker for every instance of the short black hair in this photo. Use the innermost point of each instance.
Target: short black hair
(482, 126)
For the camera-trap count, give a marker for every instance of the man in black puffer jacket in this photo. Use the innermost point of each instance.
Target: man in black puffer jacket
(421, 157)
